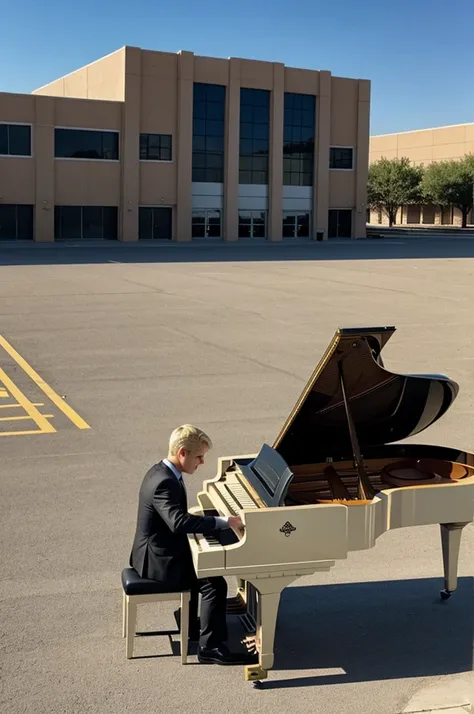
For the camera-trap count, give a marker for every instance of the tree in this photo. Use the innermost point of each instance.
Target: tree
(450, 183)
(393, 183)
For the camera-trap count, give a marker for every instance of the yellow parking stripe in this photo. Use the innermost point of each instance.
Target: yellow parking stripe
(17, 406)
(20, 418)
(50, 393)
(22, 433)
(41, 421)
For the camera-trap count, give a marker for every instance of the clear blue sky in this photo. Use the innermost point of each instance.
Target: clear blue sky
(419, 54)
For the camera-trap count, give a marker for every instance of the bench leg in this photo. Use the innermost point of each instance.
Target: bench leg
(185, 597)
(131, 625)
(124, 615)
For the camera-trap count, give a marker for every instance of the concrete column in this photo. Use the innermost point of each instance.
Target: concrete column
(321, 156)
(275, 168)
(129, 143)
(43, 151)
(231, 156)
(185, 146)
(362, 158)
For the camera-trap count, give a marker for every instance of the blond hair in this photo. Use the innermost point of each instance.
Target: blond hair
(187, 437)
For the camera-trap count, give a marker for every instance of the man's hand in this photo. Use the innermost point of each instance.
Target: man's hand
(235, 522)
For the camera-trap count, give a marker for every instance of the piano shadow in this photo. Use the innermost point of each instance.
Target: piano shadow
(374, 631)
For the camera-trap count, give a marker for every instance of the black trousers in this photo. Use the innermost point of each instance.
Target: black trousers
(213, 593)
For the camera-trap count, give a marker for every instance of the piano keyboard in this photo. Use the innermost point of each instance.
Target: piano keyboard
(234, 495)
(205, 542)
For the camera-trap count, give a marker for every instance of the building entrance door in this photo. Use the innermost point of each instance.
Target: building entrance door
(206, 224)
(340, 223)
(252, 224)
(155, 223)
(296, 225)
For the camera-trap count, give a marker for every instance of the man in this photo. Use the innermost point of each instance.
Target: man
(161, 551)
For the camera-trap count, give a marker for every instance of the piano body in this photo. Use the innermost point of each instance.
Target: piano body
(334, 481)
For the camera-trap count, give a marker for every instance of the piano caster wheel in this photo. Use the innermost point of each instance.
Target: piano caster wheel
(254, 673)
(445, 594)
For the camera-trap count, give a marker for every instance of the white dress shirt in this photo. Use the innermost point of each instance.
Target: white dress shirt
(221, 522)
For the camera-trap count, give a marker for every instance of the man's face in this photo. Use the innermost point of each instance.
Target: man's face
(190, 460)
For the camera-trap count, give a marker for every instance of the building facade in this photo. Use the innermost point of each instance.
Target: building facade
(424, 147)
(152, 145)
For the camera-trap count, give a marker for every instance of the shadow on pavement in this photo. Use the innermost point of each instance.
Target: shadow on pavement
(111, 252)
(374, 631)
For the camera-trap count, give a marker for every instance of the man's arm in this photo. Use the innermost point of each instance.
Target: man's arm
(166, 502)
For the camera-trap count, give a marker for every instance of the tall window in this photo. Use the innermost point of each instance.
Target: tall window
(16, 221)
(15, 140)
(298, 140)
(86, 144)
(85, 222)
(208, 133)
(254, 136)
(155, 147)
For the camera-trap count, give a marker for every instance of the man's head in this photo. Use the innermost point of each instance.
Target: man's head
(188, 447)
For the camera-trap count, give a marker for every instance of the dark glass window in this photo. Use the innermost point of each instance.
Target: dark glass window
(86, 144)
(24, 222)
(16, 221)
(298, 139)
(155, 223)
(340, 158)
(92, 223)
(15, 140)
(254, 136)
(155, 147)
(85, 222)
(208, 133)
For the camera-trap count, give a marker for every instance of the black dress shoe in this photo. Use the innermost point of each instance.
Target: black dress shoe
(221, 655)
(194, 627)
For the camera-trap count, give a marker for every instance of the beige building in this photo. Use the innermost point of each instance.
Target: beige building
(152, 145)
(424, 147)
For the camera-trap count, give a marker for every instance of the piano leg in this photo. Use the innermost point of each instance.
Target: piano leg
(451, 542)
(269, 592)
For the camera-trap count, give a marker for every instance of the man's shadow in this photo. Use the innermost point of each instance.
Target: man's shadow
(373, 631)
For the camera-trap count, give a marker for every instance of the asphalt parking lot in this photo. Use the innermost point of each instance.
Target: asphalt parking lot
(128, 342)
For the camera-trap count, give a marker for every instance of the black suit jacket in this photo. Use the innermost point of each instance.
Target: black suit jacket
(160, 548)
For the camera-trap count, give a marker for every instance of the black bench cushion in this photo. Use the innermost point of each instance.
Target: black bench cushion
(133, 584)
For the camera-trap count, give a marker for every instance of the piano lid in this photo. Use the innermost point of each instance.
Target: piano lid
(385, 406)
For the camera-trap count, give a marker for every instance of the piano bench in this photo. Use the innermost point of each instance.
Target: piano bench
(137, 591)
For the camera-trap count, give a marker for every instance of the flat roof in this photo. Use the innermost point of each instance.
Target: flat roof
(413, 131)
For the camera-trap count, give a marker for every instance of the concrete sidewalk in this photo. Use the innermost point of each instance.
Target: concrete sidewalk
(453, 695)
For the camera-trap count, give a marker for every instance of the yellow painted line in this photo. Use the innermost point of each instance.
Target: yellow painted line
(16, 406)
(22, 433)
(50, 393)
(38, 418)
(20, 418)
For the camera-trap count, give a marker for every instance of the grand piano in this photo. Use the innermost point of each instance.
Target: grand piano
(334, 481)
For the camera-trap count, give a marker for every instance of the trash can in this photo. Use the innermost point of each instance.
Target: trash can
(319, 235)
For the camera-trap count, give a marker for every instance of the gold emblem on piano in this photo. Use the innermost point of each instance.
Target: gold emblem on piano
(287, 529)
